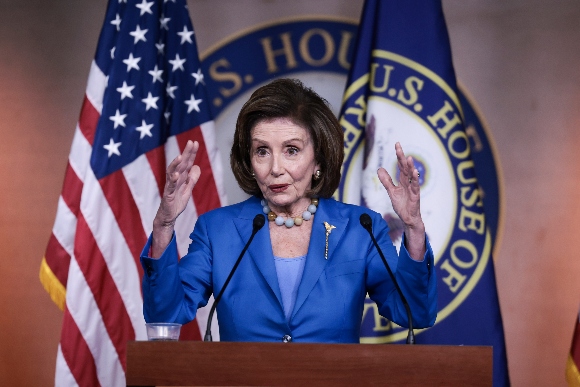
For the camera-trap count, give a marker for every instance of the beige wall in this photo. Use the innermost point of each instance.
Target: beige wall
(519, 59)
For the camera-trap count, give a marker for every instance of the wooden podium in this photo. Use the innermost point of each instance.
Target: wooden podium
(190, 363)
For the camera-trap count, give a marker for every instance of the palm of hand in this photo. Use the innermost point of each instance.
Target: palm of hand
(405, 197)
(181, 177)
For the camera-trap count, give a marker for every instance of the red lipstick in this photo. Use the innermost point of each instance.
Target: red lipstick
(277, 188)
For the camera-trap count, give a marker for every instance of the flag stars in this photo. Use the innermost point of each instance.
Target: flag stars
(177, 63)
(156, 74)
(193, 104)
(138, 34)
(117, 22)
(167, 116)
(145, 7)
(113, 148)
(118, 119)
(163, 22)
(131, 62)
(170, 90)
(125, 91)
(198, 77)
(160, 48)
(144, 129)
(185, 35)
(113, 53)
(150, 102)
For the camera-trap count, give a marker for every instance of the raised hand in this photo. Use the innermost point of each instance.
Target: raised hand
(180, 178)
(405, 199)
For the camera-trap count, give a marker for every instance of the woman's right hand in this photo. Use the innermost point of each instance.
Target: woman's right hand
(180, 178)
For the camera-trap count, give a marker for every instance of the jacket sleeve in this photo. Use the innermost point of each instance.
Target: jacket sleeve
(174, 289)
(416, 279)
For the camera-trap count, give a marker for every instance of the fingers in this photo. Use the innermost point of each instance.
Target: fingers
(179, 170)
(385, 179)
(193, 177)
(409, 174)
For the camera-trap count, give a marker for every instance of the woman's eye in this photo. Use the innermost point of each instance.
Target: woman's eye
(261, 152)
(292, 150)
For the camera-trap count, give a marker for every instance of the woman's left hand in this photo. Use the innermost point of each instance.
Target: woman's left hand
(406, 201)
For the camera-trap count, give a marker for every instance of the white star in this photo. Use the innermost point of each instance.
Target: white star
(167, 115)
(125, 90)
(122, 1)
(177, 63)
(198, 77)
(150, 101)
(156, 74)
(170, 89)
(185, 35)
(163, 21)
(117, 22)
(118, 119)
(138, 34)
(145, 7)
(193, 104)
(113, 148)
(113, 53)
(144, 129)
(165, 1)
(131, 62)
(160, 46)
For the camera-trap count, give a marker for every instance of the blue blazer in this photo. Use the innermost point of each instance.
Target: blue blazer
(330, 300)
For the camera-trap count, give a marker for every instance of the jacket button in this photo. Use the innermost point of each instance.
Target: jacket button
(149, 272)
(286, 339)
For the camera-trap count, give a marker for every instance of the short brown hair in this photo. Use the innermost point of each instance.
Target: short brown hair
(289, 98)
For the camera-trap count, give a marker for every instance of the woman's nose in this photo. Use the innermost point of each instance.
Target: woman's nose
(277, 167)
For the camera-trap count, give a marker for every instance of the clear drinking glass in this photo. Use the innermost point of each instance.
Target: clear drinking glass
(163, 331)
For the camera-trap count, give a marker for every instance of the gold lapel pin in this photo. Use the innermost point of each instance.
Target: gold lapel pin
(329, 228)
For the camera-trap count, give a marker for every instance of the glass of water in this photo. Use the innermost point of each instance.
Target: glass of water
(163, 331)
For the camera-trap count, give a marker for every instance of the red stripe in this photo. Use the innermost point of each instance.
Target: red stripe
(126, 213)
(56, 256)
(156, 159)
(72, 189)
(205, 197)
(108, 299)
(88, 120)
(76, 353)
(57, 259)
(575, 349)
(190, 331)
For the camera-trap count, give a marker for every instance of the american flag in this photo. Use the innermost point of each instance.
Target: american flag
(145, 98)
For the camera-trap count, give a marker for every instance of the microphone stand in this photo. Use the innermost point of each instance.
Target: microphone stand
(367, 223)
(259, 221)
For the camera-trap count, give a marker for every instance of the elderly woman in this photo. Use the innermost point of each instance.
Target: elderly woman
(306, 274)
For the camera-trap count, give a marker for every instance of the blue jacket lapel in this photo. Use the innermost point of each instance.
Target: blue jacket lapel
(260, 249)
(315, 260)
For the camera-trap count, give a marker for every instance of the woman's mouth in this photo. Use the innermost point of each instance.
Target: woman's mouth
(277, 188)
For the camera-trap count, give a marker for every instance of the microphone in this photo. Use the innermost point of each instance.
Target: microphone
(367, 223)
(259, 221)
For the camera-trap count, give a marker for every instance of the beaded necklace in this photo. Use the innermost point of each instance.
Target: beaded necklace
(290, 222)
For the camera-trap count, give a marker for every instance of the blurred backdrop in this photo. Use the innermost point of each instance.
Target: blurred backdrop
(519, 60)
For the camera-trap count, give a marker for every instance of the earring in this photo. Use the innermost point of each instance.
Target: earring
(317, 175)
(253, 174)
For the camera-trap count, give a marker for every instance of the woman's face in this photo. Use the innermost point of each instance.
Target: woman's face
(283, 161)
